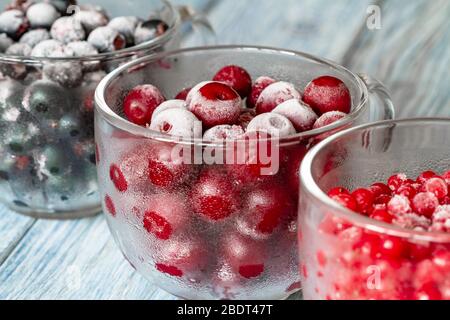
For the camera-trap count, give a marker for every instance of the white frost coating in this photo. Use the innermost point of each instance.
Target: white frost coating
(19, 49)
(124, 25)
(277, 93)
(223, 132)
(5, 42)
(272, 123)
(33, 37)
(169, 104)
(194, 90)
(81, 49)
(49, 48)
(91, 19)
(328, 118)
(67, 29)
(300, 114)
(103, 39)
(11, 20)
(42, 14)
(177, 122)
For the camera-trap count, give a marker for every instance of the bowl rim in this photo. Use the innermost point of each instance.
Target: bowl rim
(117, 121)
(105, 56)
(309, 185)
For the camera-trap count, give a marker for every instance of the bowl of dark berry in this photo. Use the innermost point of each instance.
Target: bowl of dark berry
(375, 213)
(198, 155)
(52, 56)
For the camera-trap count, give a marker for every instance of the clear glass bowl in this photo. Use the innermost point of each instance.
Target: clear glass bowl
(238, 257)
(335, 243)
(47, 149)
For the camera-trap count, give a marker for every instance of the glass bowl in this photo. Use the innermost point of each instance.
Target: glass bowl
(247, 252)
(47, 149)
(334, 243)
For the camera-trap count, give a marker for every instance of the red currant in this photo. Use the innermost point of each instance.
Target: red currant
(425, 203)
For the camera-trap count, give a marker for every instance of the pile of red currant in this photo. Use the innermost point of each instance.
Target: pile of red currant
(227, 222)
(368, 265)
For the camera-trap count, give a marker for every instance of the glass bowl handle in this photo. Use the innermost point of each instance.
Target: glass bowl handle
(203, 30)
(384, 109)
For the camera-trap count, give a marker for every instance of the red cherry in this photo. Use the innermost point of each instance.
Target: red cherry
(165, 171)
(182, 95)
(346, 201)
(109, 204)
(118, 178)
(424, 176)
(274, 95)
(237, 78)
(399, 205)
(328, 118)
(379, 189)
(215, 103)
(214, 196)
(381, 215)
(260, 84)
(407, 190)
(396, 181)
(364, 198)
(437, 186)
(337, 191)
(429, 291)
(244, 255)
(265, 207)
(166, 214)
(140, 103)
(327, 94)
(425, 203)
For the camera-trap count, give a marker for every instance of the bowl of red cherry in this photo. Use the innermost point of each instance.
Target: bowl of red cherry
(375, 213)
(198, 154)
(53, 54)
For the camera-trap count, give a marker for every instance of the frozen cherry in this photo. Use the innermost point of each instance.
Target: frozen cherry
(274, 95)
(19, 49)
(265, 207)
(13, 23)
(42, 15)
(140, 103)
(245, 256)
(223, 133)
(399, 205)
(425, 203)
(125, 26)
(33, 37)
(67, 29)
(300, 114)
(109, 204)
(177, 122)
(166, 213)
(49, 48)
(149, 30)
(236, 77)
(106, 39)
(379, 189)
(118, 178)
(260, 84)
(81, 49)
(182, 95)
(274, 124)
(437, 186)
(178, 257)
(347, 201)
(169, 104)
(364, 198)
(214, 196)
(5, 42)
(327, 94)
(328, 118)
(91, 18)
(441, 219)
(167, 168)
(214, 104)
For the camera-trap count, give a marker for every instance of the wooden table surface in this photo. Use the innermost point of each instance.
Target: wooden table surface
(410, 53)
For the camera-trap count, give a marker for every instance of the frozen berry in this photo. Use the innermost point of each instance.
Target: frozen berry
(167, 169)
(169, 104)
(5, 42)
(265, 207)
(33, 37)
(446, 177)
(109, 205)
(274, 95)
(214, 196)
(379, 189)
(223, 133)
(118, 178)
(19, 49)
(327, 94)
(364, 198)
(42, 15)
(399, 205)
(346, 201)
(67, 29)
(429, 291)
(396, 181)
(49, 48)
(91, 19)
(424, 176)
(407, 190)
(328, 118)
(245, 118)
(381, 215)
(106, 39)
(182, 95)
(437, 186)
(126, 26)
(66, 73)
(140, 103)
(80, 49)
(425, 203)
(179, 257)
(46, 100)
(337, 191)
(214, 104)
(149, 30)
(166, 214)
(274, 124)
(300, 114)
(177, 122)
(13, 23)
(441, 219)
(260, 84)
(63, 6)
(245, 256)
(237, 78)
